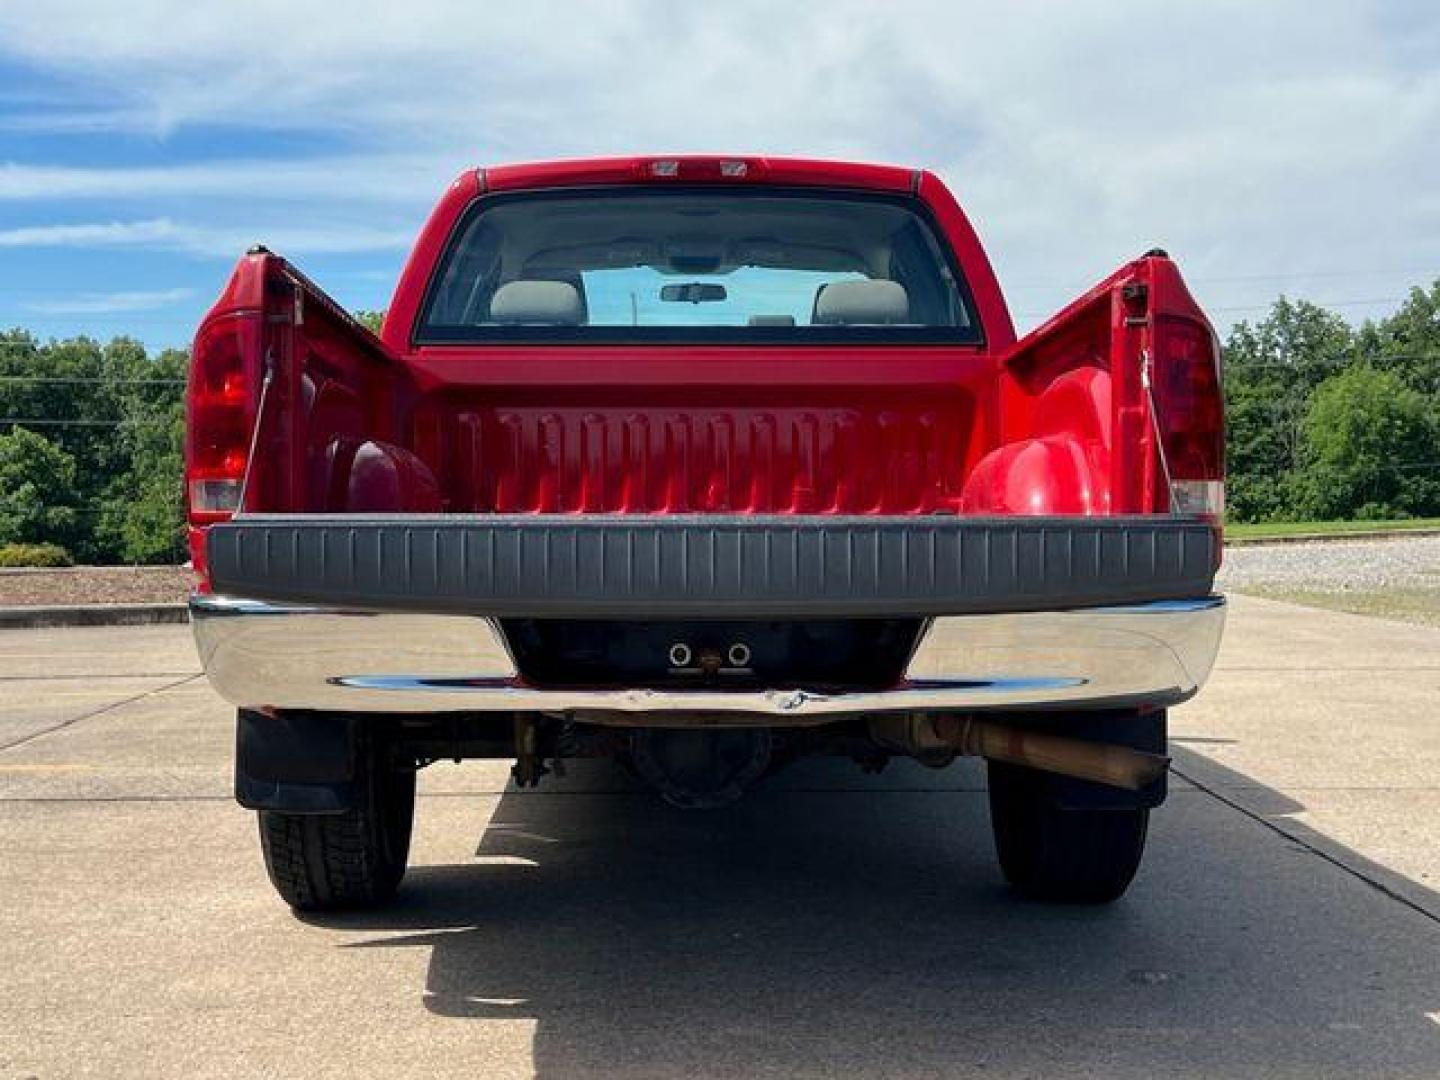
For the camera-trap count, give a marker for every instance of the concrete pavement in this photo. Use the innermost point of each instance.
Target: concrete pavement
(1286, 922)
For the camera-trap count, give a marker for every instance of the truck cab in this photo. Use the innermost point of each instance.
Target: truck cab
(703, 464)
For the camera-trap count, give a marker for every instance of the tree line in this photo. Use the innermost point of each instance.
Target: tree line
(91, 442)
(1325, 421)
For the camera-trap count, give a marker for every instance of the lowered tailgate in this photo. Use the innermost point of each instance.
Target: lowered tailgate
(779, 566)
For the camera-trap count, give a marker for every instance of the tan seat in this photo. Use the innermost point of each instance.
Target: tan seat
(537, 303)
(876, 302)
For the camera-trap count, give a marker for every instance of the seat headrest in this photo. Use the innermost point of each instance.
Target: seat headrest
(859, 303)
(772, 320)
(549, 303)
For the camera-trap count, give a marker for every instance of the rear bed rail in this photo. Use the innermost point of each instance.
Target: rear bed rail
(619, 566)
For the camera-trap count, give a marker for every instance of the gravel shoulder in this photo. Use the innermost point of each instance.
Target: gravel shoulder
(95, 585)
(1395, 578)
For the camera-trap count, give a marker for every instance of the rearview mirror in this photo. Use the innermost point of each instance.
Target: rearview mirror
(693, 292)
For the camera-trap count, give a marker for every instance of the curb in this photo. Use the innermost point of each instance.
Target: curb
(38, 617)
(1321, 538)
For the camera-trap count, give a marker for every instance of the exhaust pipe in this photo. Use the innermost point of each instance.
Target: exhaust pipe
(1102, 763)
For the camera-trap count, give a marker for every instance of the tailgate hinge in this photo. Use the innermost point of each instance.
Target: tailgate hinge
(1136, 294)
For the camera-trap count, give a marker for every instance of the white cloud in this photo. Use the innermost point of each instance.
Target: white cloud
(97, 235)
(111, 302)
(201, 240)
(1273, 140)
(352, 178)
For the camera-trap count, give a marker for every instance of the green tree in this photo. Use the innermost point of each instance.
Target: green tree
(1370, 443)
(371, 320)
(73, 391)
(37, 490)
(142, 518)
(1271, 369)
(1408, 341)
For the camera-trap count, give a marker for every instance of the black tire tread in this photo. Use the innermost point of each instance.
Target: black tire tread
(332, 862)
(1058, 854)
(319, 862)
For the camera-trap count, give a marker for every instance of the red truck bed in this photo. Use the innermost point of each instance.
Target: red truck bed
(675, 458)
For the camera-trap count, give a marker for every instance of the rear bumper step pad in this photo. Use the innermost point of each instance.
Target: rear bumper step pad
(618, 566)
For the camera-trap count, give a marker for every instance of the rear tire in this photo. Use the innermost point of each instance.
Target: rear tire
(334, 862)
(1058, 854)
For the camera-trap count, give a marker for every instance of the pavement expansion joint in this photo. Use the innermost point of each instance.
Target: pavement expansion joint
(23, 740)
(1313, 849)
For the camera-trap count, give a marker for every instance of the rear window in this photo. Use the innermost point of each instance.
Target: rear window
(696, 265)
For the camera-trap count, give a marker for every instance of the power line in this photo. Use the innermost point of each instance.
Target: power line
(12, 377)
(41, 346)
(1318, 303)
(1422, 465)
(17, 422)
(1220, 309)
(89, 380)
(1294, 275)
(86, 509)
(1330, 361)
(131, 317)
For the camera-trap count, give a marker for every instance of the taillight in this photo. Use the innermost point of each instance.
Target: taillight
(220, 408)
(1190, 415)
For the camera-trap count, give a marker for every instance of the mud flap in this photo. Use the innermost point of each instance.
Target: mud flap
(295, 763)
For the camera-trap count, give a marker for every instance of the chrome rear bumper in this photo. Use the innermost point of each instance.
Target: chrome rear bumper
(258, 654)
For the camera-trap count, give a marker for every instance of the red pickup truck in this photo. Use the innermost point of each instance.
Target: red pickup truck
(703, 464)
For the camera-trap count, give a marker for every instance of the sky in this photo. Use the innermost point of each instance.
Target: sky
(1271, 146)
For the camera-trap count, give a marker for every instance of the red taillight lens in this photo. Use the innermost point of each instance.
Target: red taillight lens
(1190, 414)
(220, 417)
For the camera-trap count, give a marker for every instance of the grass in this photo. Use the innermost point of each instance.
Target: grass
(1265, 530)
(1407, 604)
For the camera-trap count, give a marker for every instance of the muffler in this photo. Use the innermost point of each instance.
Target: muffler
(925, 735)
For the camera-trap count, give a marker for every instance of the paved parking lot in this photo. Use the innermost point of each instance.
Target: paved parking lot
(1286, 923)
